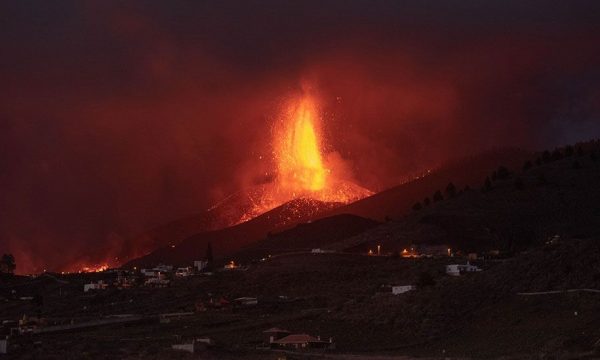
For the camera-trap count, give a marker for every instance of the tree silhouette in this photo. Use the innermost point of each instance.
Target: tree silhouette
(579, 151)
(438, 196)
(417, 206)
(527, 165)
(503, 173)
(209, 253)
(487, 185)
(426, 201)
(569, 151)
(556, 155)
(7, 264)
(450, 190)
(546, 157)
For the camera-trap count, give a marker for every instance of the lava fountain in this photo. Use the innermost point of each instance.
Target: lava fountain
(298, 151)
(300, 164)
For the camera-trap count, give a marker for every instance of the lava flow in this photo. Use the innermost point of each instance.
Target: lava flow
(301, 169)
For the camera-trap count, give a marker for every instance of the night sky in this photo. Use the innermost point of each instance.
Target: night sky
(118, 116)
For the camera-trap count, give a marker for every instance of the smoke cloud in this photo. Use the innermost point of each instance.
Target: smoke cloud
(117, 117)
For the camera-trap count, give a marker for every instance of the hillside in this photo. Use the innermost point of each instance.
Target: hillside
(304, 237)
(397, 201)
(519, 210)
(391, 203)
(226, 241)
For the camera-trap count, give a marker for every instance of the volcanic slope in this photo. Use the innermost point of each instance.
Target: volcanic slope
(519, 209)
(397, 201)
(391, 203)
(305, 237)
(226, 241)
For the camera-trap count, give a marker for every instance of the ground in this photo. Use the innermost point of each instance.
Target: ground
(339, 296)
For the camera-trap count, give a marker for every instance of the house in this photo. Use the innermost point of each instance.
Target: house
(246, 301)
(401, 289)
(302, 342)
(195, 346)
(459, 269)
(28, 325)
(100, 285)
(200, 265)
(275, 333)
(321, 251)
(183, 271)
(164, 268)
(160, 280)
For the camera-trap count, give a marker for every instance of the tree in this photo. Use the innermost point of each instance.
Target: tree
(576, 164)
(7, 264)
(451, 190)
(467, 188)
(503, 173)
(527, 165)
(487, 185)
(579, 151)
(426, 201)
(438, 196)
(546, 156)
(594, 157)
(569, 151)
(538, 161)
(556, 155)
(417, 206)
(209, 253)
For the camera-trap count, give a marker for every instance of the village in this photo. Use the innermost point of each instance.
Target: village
(192, 294)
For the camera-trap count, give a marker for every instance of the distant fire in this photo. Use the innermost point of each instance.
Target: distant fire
(94, 268)
(301, 168)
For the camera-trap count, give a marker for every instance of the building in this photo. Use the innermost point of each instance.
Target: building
(197, 345)
(459, 269)
(100, 285)
(183, 271)
(302, 342)
(401, 289)
(273, 334)
(321, 251)
(200, 265)
(246, 301)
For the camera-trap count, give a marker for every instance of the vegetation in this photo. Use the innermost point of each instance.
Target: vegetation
(7, 264)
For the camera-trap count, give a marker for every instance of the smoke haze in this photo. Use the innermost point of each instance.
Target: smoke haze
(119, 116)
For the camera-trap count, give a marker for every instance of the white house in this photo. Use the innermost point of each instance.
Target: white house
(401, 289)
(183, 271)
(100, 285)
(200, 264)
(247, 301)
(459, 269)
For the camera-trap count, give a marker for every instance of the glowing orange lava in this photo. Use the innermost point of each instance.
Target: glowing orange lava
(301, 167)
(298, 150)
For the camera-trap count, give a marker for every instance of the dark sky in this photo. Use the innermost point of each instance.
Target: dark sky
(117, 116)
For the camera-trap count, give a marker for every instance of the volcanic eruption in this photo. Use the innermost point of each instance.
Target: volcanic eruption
(301, 170)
